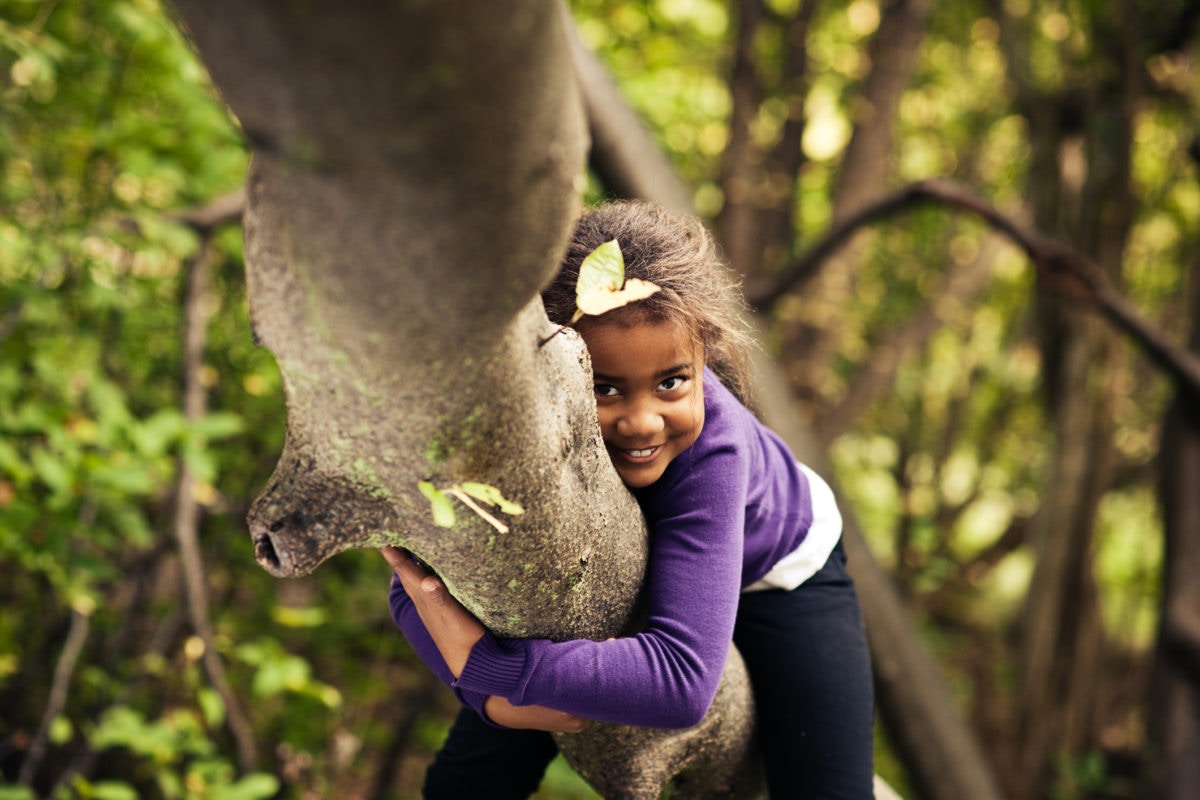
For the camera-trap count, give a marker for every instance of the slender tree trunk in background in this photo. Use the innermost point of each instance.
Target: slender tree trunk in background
(756, 224)
(864, 172)
(1172, 769)
(735, 225)
(188, 512)
(1080, 192)
(633, 166)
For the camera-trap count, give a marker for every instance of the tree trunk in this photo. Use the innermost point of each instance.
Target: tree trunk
(1080, 192)
(1172, 771)
(863, 174)
(415, 176)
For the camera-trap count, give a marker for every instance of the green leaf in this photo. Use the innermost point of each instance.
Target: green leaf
(602, 286)
(154, 435)
(254, 786)
(302, 617)
(443, 509)
(492, 496)
(218, 425)
(211, 706)
(61, 730)
(603, 267)
(113, 790)
(602, 299)
(284, 673)
(53, 472)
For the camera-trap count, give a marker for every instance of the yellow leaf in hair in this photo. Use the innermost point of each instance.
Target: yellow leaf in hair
(600, 299)
(601, 285)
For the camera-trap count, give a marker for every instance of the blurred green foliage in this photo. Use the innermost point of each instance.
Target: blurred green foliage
(109, 128)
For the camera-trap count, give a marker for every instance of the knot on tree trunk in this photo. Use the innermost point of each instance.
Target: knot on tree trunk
(307, 514)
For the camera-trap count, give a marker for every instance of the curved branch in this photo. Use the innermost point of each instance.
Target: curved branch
(1060, 269)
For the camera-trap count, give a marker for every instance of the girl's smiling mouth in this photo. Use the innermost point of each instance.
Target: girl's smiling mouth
(641, 455)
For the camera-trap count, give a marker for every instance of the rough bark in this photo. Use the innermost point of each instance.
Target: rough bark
(416, 170)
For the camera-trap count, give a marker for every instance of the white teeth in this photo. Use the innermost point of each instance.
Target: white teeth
(641, 453)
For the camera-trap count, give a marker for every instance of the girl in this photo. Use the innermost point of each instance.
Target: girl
(745, 547)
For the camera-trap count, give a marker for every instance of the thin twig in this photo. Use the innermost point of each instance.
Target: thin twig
(63, 671)
(224, 210)
(470, 503)
(187, 510)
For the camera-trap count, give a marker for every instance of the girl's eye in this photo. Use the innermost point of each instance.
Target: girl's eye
(604, 390)
(672, 383)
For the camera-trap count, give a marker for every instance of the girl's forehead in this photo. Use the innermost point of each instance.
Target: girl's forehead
(651, 345)
(638, 315)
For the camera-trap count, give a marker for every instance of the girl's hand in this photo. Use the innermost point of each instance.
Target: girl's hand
(538, 718)
(451, 626)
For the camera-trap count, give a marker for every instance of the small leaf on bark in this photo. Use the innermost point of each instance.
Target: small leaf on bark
(443, 509)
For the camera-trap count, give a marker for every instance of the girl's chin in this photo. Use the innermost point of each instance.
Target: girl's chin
(637, 477)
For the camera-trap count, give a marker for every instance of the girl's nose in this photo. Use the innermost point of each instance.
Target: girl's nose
(640, 420)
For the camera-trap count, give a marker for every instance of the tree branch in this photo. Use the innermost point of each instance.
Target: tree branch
(224, 210)
(72, 648)
(1060, 270)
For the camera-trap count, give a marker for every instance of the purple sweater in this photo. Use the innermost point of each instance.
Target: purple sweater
(722, 514)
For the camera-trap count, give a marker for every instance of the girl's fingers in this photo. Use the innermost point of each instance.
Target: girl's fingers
(435, 589)
(394, 556)
(411, 576)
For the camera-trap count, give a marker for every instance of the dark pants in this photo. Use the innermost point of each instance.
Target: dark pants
(479, 760)
(806, 652)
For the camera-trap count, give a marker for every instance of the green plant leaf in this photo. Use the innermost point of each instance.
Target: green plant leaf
(211, 706)
(255, 786)
(601, 286)
(443, 509)
(113, 790)
(17, 793)
(218, 425)
(603, 267)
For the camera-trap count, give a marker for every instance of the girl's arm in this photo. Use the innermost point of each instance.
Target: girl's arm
(664, 676)
(496, 710)
(453, 630)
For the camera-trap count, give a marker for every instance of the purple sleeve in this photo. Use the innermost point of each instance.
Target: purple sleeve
(665, 676)
(409, 622)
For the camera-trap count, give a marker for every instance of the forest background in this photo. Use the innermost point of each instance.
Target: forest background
(999, 446)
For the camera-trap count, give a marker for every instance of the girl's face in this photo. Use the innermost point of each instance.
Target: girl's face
(649, 394)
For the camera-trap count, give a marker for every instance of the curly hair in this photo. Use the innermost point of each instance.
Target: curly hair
(677, 253)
